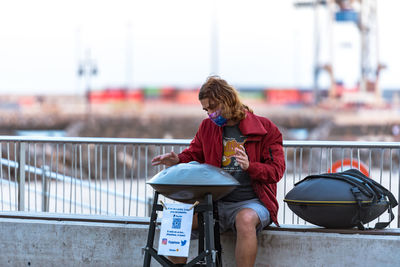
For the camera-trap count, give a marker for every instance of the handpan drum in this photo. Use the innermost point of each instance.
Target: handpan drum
(188, 182)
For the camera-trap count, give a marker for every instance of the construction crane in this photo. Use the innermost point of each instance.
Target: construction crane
(362, 16)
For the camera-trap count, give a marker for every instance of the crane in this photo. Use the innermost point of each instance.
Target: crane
(365, 67)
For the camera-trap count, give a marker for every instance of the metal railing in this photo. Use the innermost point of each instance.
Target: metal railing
(107, 176)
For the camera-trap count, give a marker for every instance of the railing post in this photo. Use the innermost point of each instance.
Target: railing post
(21, 177)
(398, 200)
(45, 189)
(149, 206)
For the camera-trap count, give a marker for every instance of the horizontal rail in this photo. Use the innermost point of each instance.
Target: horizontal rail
(75, 217)
(340, 144)
(150, 141)
(95, 140)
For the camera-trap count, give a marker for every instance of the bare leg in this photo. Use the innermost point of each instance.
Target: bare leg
(246, 238)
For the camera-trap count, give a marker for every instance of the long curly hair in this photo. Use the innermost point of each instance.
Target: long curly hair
(220, 92)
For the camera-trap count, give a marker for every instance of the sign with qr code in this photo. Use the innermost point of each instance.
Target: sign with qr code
(176, 223)
(176, 228)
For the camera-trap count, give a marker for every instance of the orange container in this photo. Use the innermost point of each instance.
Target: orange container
(188, 96)
(283, 96)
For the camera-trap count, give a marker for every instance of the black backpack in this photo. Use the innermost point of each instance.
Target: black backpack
(340, 200)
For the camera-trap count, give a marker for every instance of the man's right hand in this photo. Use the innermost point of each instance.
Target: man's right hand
(168, 159)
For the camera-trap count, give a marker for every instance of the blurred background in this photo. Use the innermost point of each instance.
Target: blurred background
(321, 70)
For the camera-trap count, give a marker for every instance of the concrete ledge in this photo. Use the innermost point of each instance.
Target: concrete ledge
(35, 242)
(316, 229)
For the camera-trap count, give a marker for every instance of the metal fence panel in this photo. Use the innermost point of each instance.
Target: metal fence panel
(107, 176)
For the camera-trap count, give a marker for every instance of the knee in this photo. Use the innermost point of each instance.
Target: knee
(246, 221)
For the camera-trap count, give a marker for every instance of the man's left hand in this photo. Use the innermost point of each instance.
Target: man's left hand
(241, 158)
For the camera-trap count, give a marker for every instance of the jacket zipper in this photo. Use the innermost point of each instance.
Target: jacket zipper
(270, 154)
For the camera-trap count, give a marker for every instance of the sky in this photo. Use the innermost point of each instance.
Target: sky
(257, 43)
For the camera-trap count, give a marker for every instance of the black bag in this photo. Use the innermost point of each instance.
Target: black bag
(340, 200)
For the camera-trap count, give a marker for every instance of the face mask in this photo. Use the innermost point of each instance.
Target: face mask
(217, 118)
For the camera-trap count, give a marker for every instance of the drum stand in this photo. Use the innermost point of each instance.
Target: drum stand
(210, 255)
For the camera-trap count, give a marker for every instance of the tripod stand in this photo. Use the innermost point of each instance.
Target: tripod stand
(209, 246)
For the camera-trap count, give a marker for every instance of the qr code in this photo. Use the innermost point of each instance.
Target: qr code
(176, 223)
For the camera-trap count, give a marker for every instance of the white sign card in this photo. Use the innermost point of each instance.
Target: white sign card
(176, 228)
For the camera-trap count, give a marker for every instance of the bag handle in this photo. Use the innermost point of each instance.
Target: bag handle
(365, 190)
(374, 184)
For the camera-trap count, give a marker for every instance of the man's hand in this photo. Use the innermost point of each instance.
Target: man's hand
(241, 157)
(167, 159)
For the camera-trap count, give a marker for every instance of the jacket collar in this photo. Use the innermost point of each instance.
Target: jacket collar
(252, 126)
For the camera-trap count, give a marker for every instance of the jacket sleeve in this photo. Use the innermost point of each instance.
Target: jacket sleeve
(195, 150)
(271, 167)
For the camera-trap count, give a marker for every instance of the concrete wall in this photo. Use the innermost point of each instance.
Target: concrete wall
(59, 243)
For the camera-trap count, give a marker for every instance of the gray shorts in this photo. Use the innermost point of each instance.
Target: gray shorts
(227, 212)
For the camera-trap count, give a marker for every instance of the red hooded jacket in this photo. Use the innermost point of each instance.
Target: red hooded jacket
(263, 147)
